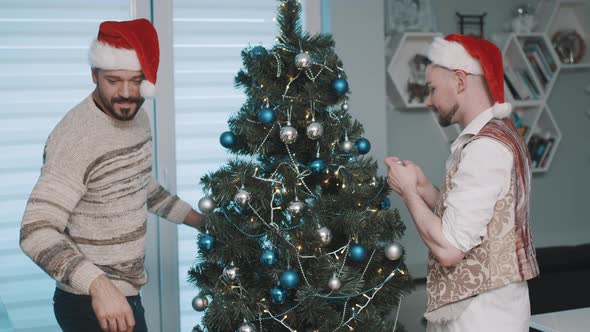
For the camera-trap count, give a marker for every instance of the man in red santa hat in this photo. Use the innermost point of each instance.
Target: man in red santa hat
(85, 221)
(476, 226)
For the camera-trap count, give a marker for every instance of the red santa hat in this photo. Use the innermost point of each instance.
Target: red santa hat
(128, 45)
(475, 56)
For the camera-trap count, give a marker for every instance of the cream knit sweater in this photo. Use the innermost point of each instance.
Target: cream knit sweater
(87, 213)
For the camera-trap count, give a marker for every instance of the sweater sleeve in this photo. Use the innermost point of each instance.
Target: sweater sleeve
(43, 233)
(166, 205)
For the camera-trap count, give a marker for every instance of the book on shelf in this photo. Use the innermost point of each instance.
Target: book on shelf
(513, 81)
(535, 63)
(539, 149)
(518, 123)
(539, 47)
(526, 78)
(547, 152)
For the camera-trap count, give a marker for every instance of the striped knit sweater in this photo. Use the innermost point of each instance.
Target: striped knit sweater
(87, 213)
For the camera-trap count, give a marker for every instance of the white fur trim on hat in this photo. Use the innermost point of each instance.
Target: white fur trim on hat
(104, 56)
(147, 89)
(501, 111)
(452, 55)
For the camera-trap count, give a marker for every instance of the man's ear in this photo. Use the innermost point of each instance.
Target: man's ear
(94, 75)
(460, 80)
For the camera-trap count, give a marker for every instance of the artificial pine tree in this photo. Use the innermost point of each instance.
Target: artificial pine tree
(298, 232)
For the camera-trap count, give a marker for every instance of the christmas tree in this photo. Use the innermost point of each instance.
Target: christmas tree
(298, 232)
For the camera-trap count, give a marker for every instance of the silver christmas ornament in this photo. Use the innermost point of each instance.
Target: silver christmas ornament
(344, 106)
(325, 235)
(347, 146)
(302, 60)
(206, 204)
(246, 328)
(242, 197)
(230, 273)
(288, 134)
(393, 251)
(200, 303)
(314, 130)
(296, 208)
(334, 283)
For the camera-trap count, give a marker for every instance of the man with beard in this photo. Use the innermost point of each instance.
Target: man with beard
(85, 221)
(476, 226)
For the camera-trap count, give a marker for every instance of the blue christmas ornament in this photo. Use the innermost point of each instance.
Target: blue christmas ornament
(227, 139)
(289, 279)
(339, 86)
(385, 204)
(206, 242)
(357, 252)
(257, 50)
(267, 115)
(317, 166)
(278, 294)
(268, 258)
(363, 146)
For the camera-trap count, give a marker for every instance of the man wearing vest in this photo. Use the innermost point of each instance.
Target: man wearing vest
(476, 226)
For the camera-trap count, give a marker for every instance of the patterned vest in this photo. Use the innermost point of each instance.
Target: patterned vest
(506, 254)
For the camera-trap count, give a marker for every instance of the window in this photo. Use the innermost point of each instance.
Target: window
(44, 72)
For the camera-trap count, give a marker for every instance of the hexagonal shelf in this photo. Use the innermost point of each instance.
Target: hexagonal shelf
(399, 69)
(571, 18)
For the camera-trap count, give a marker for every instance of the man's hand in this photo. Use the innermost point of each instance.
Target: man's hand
(193, 219)
(402, 179)
(111, 308)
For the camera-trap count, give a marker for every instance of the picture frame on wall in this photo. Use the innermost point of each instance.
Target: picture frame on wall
(408, 15)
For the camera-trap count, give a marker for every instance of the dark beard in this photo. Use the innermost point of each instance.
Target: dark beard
(446, 120)
(109, 110)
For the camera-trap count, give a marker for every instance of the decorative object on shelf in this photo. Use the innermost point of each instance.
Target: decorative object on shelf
(471, 25)
(523, 20)
(417, 87)
(408, 15)
(569, 46)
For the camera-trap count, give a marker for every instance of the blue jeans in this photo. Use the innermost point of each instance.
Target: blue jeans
(74, 312)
